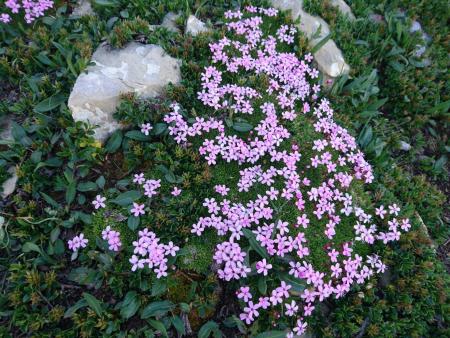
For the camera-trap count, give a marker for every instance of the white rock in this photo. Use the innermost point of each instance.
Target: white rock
(329, 57)
(296, 7)
(194, 26)
(83, 8)
(137, 68)
(415, 27)
(9, 185)
(330, 60)
(169, 21)
(404, 146)
(6, 128)
(343, 8)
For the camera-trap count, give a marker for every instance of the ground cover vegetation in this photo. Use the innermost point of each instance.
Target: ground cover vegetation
(55, 283)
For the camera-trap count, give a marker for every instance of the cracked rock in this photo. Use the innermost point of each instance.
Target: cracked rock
(169, 21)
(345, 9)
(194, 26)
(83, 8)
(137, 68)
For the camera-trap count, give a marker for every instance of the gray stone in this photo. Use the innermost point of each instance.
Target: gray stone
(6, 128)
(194, 26)
(169, 22)
(343, 8)
(415, 27)
(404, 146)
(329, 58)
(83, 8)
(9, 185)
(137, 68)
(419, 51)
(386, 278)
(376, 18)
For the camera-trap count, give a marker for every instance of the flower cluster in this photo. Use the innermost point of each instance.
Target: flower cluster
(32, 9)
(284, 177)
(77, 242)
(149, 252)
(113, 238)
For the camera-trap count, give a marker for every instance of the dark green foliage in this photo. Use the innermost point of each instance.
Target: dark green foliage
(389, 97)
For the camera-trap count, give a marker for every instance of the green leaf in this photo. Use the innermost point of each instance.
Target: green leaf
(159, 128)
(106, 3)
(271, 334)
(126, 198)
(170, 177)
(178, 323)
(440, 108)
(159, 326)
(255, 244)
(242, 126)
(83, 275)
(157, 309)
(54, 234)
(137, 135)
(50, 200)
(93, 303)
(130, 305)
(71, 192)
(365, 136)
(50, 103)
(36, 156)
(29, 246)
(377, 104)
(87, 186)
(159, 287)
(78, 305)
(114, 142)
(19, 134)
(133, 222)
(262, 285)
(207, 328)
(51, 162)
(101, 182)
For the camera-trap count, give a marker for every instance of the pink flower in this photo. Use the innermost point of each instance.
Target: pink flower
(139, 178)
(380, 212)
(138, 209)
(291, 309)
(176, 191)
(99, 202)
(262, 267)
(303, 221)
(394, 209)
(5, 18)
(222, 189)
(146, 128)
(308, 309)
(300, 327)
(113, 238)
(244, 293)
(77, 242)
(333, 255)
(250, 312)
(171, 249)
(405, 225)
